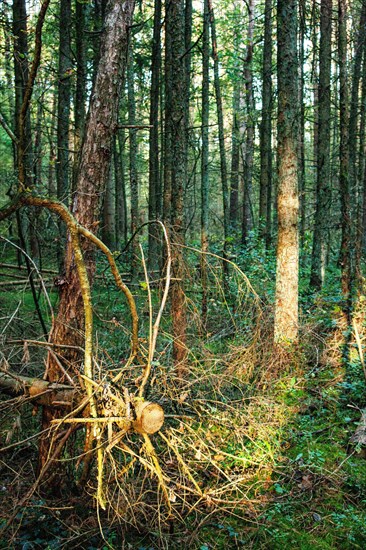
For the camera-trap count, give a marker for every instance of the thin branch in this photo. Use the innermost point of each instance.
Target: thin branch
(29, 90)
(7, 129)
(121, 285)
(134, 126)
(155, 329)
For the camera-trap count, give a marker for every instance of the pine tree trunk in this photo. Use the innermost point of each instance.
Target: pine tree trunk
(177, 127)
(220, 121)
(205, 157)
(265, 186)
(344, 185)
(249, 145)
(235, 138)
(81, 82)
(64, 98)
(109, 213)
(120, 193)
(286, 307)
(134, 182)
(154, 168)
(301, 152)
(167, 142)
(93, 172)
(323, 190)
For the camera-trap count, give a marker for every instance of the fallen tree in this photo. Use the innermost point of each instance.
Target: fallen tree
(127, 412)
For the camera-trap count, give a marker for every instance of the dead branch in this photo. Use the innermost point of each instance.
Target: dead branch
(41, 392)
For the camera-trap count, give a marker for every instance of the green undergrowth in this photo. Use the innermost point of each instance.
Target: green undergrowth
(269, 432)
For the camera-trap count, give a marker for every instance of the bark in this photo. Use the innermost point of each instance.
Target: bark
(356, 136)
(93, 171)
(167, 160)
(205, 157)
(134, 182)
(249, 145)
(109, 214)
(21, 76)
(154, 169)
(81, 82)
(344, 184)
(315, 79)
(265, 185)
(187, 73)
(51, 178)
(362, 162)
(301, 153)
(354, 109)
(176, 123)
(235, 138)
(42, 392)
(94, 163)
(220, 121)
(323, 190)
(64, 99)
(148, 416)
(286, 306)
(121, 204)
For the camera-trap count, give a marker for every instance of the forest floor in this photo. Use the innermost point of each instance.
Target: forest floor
(266, 434)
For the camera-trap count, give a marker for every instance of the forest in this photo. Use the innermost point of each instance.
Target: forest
(183, 240)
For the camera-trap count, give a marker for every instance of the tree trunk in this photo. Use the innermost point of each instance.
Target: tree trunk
(81, 82)
(344, 185)
(323, 189)
(286, 307)
(134, 182)
(92, 177)
(154, 169)
(301, 152)
(354, 109)
(235, 136)
(64, 98)
(109, 213)
(177, 127)
(167, 157)
(120, 193)
(265, 186)
(220, 121)
(249, 145)
(205, 157)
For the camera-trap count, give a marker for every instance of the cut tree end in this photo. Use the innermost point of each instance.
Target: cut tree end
(149, 417)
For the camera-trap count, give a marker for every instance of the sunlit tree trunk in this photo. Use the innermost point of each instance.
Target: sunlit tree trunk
(286, 306)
